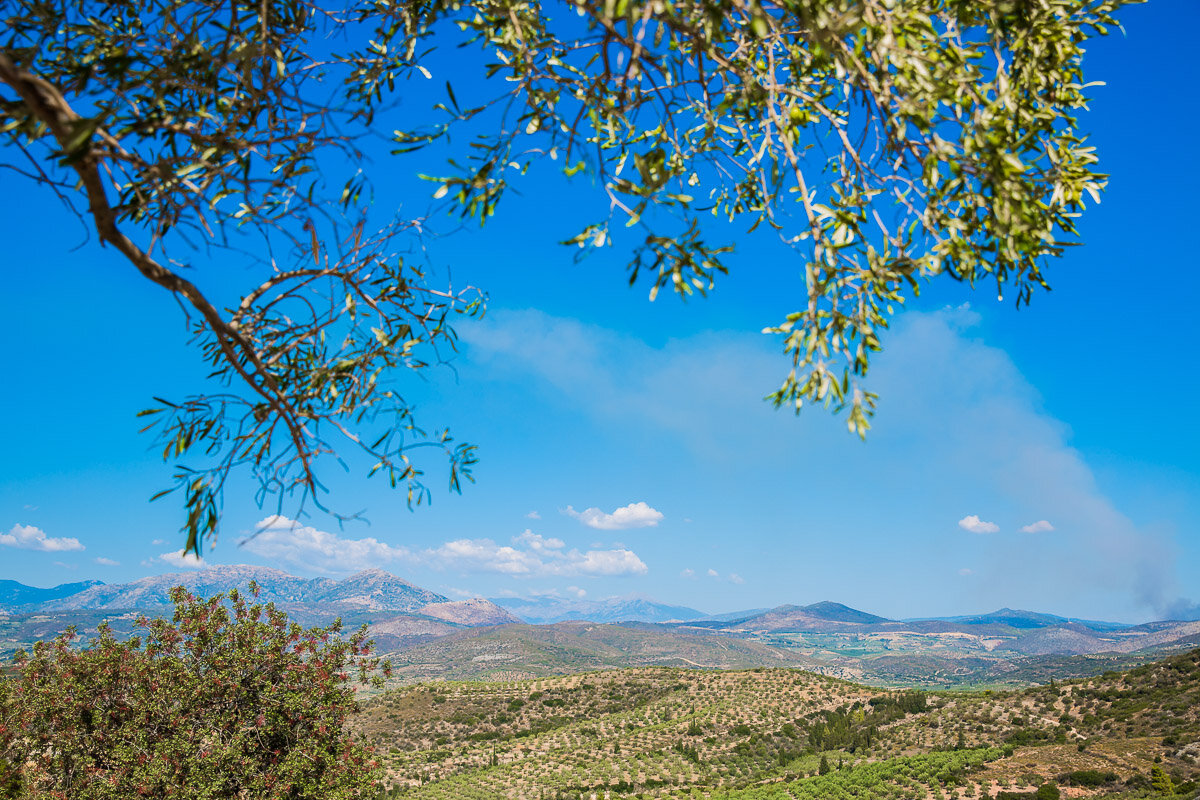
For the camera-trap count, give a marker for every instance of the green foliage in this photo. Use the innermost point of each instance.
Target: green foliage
(893, 706)
(896, 777)
(1047, 791)
(1161, 781)
(761, 113)
(1088, 777)
(882, 142)
(183, 126)
(10, 780)
(226, 699)
(625, 733)
(1033, 736)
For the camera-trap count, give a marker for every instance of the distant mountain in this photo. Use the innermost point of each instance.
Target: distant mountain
(152, 592)
(1026, 620)
(370, 592)
(378, 590)
(836, 612)
(630, 608)
(475, 611)
(1003, 645)
(18, 594)
(818, 617)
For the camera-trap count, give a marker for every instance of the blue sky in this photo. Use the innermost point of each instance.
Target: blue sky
(1042, 459)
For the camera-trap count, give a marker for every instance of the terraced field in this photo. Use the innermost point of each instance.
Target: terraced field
(785, 733)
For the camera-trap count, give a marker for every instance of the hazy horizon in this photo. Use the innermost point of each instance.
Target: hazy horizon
(566, 600)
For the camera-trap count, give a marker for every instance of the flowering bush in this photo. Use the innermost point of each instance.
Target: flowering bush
(225, 700)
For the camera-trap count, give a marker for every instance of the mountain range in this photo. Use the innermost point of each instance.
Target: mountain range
(372, 590)
(431, 635)
(18, 594)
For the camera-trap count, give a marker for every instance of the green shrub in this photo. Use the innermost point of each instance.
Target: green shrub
(1087, 777)
(1048, 791)
(221, 701)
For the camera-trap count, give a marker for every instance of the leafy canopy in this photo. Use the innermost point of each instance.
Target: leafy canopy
(227, 699)
(884, 141)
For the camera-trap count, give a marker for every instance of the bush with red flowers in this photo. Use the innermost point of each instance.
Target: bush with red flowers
(224, 700)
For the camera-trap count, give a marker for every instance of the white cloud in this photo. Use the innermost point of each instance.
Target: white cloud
(539, 593)
(966, 571)
(688, 573)
(543, 557)
(735, 578)
(538, 543)
(27, 537)
(530, 554)
(106, 562)
(1041, 526)
(483, 555)
(287, 541)
(178, 560)
(621, 378)
(712, 573)
(634, 515)
(158, 542)
(611, 562)
(65, 565)
(533, 515)
(575, 590)
(949, 401)
(974, 524)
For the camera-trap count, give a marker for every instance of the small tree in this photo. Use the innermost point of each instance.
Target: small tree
(1161, 781)
(1048, 791)
(226, 699)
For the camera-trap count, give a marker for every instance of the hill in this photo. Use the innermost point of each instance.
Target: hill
(778, 734)
(1024, 620)
(818, 617)
(528, 651)
(1006, 647)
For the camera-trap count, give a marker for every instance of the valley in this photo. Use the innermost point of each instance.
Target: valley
(791, 703)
